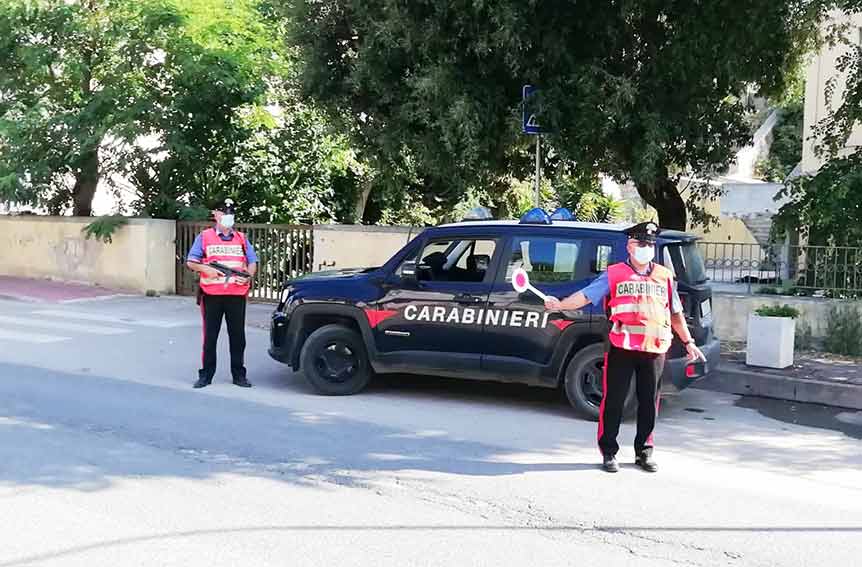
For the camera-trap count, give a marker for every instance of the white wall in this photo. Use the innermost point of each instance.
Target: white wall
(140, 258)
(820, 70)
(357, 246)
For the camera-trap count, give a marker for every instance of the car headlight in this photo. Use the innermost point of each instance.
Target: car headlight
(285, 295)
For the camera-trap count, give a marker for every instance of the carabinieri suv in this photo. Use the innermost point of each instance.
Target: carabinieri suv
(444, 305)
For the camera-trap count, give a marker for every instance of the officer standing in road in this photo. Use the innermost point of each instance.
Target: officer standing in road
(223, 295)
(643, 306)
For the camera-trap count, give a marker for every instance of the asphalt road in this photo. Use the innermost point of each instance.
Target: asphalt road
(108, 457)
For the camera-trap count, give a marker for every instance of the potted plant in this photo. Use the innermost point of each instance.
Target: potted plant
(771, 334)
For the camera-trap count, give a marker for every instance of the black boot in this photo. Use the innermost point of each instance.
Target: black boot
(203, 383)
(646, 462)
(610, 463)
(242, 382)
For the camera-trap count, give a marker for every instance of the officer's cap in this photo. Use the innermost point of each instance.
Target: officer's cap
(644, 232)
(227, 207)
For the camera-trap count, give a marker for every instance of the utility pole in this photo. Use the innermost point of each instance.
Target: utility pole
(538, 181)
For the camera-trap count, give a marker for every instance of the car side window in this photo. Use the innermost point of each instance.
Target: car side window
(547, 260)
(436, 246)
(603, 258)
(459, 260)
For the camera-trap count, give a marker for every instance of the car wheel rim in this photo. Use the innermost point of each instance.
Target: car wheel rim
(336, 363)
(591, 382)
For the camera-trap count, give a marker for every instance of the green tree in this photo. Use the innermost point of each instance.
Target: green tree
(785, 152)
(827, 206)
(76, 79)
(643, 91)
(166, 95)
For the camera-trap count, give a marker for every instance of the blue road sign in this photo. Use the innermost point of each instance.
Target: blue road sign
(530, 121)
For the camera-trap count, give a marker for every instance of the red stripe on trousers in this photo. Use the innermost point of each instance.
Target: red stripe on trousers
(604, 397)
(203, 331)
(657, 406)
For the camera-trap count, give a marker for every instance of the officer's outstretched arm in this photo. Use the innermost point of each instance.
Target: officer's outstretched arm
(571, 303)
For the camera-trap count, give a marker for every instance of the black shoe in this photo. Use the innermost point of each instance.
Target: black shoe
(646, 462)
(242, 383)
(610, 464)
(203, 383)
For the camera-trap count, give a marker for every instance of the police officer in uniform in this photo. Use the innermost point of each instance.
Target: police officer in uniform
(643, 306)
(223, 295)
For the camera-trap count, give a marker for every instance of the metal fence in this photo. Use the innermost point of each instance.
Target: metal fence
(284, 252)
(834, 271)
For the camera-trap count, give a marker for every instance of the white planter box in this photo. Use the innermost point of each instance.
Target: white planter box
(770, 341)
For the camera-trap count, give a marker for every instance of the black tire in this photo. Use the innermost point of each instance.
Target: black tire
(584, 385)
(335, 362)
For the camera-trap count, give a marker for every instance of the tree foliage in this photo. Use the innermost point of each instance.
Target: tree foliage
(826, 207)
(785, 152)
(178, 102)
(74, 75)
(643, 91)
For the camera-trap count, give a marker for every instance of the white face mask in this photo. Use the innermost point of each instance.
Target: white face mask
(226, 221)
(644, 255)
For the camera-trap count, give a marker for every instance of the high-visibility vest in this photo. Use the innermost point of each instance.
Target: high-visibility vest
(231, 253)
(639, 308)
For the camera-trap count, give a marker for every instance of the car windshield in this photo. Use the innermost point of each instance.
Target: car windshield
(687, 263)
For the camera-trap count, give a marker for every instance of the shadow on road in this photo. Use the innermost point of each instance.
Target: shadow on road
(68, 430)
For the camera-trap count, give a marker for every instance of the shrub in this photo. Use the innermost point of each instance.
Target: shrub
(777, 311)
(103, 228)
(804, 339)
(844, 331)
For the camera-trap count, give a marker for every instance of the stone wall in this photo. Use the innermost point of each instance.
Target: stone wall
(356, 246)
(731, 312)
(140, 258)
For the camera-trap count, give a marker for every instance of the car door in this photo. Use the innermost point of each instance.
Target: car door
(521, 341)
(434, 323)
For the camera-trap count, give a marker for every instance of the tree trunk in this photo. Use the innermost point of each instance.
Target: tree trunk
(664, 196)
(362, 202)
(87, 176)
(86, 182)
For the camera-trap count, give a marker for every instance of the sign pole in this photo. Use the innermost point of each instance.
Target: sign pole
(538, 169)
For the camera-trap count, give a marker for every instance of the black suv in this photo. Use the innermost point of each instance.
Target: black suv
(444, 305)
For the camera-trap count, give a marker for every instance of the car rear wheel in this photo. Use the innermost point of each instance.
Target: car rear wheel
(584, 383)
(334, 361)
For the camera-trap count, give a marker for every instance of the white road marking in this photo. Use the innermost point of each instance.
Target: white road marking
(61, 326)
(162, 324)
(7, 335)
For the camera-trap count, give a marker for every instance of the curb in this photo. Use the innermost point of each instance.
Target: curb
(21, 298)
(748, 383)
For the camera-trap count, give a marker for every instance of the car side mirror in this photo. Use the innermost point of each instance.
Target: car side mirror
(408, 271)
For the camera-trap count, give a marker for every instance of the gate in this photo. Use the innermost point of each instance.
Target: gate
(284, 252)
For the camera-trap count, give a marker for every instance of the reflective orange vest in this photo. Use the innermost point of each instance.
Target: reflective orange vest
(231, 253)
(639, 308)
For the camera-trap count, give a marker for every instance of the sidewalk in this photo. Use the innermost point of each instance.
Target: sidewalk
(815, 377)
(49, 291)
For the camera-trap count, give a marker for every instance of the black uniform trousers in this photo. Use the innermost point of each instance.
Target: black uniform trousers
(232, 309)
(620, 365)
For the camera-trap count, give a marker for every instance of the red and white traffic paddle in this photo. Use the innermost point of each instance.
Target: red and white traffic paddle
(521, 283)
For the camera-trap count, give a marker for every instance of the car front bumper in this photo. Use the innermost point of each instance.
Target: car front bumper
(280, 345)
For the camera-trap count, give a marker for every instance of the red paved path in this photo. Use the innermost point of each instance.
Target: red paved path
(49, 291)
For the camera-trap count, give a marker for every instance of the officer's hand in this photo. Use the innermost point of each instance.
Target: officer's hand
(210, 272)
(553, 304)
(694, 353)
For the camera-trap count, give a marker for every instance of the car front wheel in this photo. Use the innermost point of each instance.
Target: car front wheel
(334, 361)
(584, 383)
